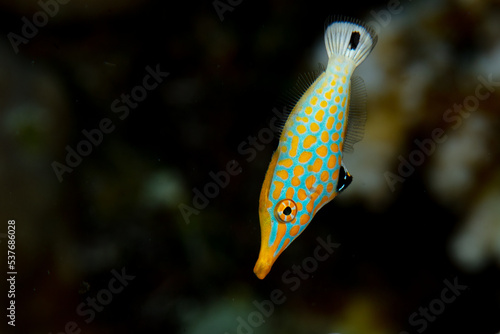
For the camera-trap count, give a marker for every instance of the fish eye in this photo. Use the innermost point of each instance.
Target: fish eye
(285, 211)
(354, 41)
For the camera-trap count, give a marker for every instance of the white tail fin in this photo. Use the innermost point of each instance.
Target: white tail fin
(350, 38)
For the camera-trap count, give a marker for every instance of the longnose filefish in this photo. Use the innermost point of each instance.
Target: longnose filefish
(307, 170)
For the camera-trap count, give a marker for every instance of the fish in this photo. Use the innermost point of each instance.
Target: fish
(307, 169)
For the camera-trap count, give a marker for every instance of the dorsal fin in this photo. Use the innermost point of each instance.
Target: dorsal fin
(356, 118)
(344, 180)
(304, 81)
(290, 98)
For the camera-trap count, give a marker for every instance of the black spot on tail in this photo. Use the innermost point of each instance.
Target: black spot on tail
(354, 41)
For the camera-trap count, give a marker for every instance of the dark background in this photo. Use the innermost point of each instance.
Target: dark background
(119, 207)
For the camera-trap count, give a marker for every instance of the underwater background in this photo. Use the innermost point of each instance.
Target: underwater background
(134, 139)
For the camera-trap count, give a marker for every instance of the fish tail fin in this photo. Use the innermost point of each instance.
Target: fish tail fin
(349, 37)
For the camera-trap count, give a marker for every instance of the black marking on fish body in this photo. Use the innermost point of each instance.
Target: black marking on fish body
(344, 180)
(354, 41)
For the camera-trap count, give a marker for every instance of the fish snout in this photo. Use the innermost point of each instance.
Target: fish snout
(264, 264)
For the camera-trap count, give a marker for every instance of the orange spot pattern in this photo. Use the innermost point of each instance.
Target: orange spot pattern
(310, 206)
(310, 181)
(319, 115)
(335, 174)
(314, 127)
(304, 219)
(280, 233)
(298, 170)
(277, 190)
(322, 151)
(340, 116)
(332, 161)
(335, 148)
(285, 162)
(283, 174)
(308, 165)
(328, 95)
(301, 194)
(324, 136)
(316, 166)
(329, 122)
(309, 141)
(293, 149)
(305, 157)
(294, 230)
